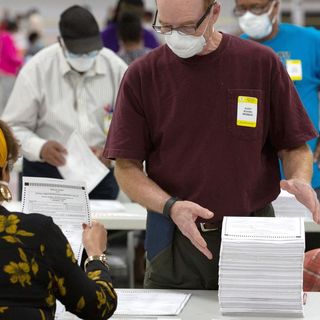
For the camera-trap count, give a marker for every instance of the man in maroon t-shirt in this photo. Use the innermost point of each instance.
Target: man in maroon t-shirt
(210, 114)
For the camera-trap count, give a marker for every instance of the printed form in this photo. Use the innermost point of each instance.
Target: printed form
(66, 202)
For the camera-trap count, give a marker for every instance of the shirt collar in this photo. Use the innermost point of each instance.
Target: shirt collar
(63, 64)
(100, 66)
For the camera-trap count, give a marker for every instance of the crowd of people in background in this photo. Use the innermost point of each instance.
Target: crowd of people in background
(127, 31)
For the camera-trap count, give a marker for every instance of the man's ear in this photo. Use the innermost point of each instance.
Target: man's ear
(216, 12)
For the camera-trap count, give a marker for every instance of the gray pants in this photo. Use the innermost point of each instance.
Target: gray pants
(182, 266)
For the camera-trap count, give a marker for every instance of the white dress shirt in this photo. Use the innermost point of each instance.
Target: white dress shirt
(50, 100)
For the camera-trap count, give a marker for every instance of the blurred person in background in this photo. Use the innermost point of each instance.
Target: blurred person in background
(110, 34)
(37, 265)
(34, 21)
(70, 86)
(130, 35)
(35, 44)
(20, 34)
(299, 50)
(10, 62)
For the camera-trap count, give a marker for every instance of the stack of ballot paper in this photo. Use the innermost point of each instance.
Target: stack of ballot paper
(286, 205)
(261, 266)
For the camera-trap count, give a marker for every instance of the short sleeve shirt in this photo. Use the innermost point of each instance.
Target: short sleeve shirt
(209, 127)
(301, 45)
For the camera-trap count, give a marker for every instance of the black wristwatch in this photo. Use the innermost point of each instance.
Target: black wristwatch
(168, 205)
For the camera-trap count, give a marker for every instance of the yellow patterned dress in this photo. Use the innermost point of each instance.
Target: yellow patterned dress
(37, 266)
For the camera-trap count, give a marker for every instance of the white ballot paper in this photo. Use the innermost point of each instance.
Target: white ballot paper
(150, 302)
(66, 202)
(261, 266)
(286, 205)
(82, 164)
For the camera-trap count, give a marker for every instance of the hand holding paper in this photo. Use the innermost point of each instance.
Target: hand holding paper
(53, 153)
(82, 164)
(94, 238)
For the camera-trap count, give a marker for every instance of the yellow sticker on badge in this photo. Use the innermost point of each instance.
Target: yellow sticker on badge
(247, 112)
(294, 68)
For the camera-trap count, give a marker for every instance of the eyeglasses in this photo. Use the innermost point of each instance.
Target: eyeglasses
(183, 30)
(256, 9)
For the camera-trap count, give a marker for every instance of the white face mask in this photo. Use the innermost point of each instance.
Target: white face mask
(83, 62)
(257, 26)
(185, 46)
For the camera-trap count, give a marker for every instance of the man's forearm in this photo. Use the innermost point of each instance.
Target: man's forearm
(138, 186)
(297, 163)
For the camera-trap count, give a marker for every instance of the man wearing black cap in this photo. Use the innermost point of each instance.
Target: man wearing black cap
(71, 85)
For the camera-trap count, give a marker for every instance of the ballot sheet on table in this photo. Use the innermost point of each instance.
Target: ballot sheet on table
(66, 202)
(82, 164)
(145, 303)
(261, 266)
(101, 208)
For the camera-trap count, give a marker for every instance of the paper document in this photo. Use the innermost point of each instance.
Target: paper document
(103, 206)
(286, 205)
(66, 202)
(82, 164)
(107, 208)
(263, 228)
(150, 302)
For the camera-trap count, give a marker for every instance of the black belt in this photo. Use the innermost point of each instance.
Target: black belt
(209, 226)
(267, 211)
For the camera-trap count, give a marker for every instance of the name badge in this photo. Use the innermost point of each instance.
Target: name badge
(247, 112)
(294, 68)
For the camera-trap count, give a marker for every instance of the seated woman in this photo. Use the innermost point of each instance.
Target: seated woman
(37, 265)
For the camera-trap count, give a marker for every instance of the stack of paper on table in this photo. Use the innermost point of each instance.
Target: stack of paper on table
(286, 205)
(141, 303)
(261, 266)
(101, 208)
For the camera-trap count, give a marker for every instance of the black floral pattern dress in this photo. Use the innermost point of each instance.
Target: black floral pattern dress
(37, 266)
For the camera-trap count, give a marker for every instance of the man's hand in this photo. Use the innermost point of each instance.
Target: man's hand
(99, 154)
(304, 194)
(184, 214)
(53, 153)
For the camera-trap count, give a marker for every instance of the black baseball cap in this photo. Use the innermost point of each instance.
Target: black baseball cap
(79, 30)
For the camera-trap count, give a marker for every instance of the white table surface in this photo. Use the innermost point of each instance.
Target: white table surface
(204, 305)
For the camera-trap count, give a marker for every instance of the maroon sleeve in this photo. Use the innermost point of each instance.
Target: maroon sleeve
(128, 137)
(290, 125)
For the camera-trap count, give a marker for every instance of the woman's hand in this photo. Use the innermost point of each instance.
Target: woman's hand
(94, 238)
